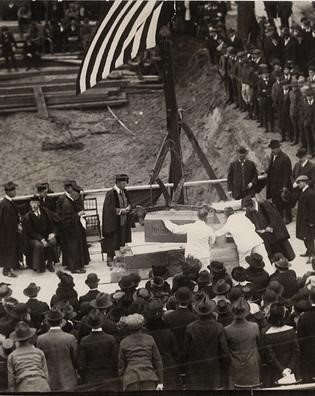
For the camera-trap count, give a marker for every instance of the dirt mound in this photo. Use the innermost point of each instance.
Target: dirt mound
(110, 149)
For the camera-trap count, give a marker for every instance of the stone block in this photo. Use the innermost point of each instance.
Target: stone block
(155, 231)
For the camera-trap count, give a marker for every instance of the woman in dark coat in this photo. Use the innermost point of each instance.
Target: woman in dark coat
(243, 339)
(205, 350)
(65, 291)
(166, 343)
(280, 347)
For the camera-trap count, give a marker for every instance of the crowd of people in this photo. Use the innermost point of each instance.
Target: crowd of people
(248, 329)
(270, 78)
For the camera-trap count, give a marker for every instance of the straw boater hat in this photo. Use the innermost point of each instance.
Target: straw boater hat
(22, 332)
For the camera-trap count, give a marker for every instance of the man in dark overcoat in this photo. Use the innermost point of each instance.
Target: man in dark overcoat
(242, 176)
(206, 350)
(9, 231)
(306, 337)
(116, 224)
(279, 180)
(40, 233)
(270, 227)
(91, 281)
(36, 307)
(308, 111)
(75, 253)
(305, 218)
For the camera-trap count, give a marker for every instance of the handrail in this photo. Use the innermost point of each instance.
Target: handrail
(138, 188)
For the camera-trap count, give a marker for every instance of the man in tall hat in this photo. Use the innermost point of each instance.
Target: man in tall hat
(9, 231)
(116, 224)
(40, 234)
(70, 209)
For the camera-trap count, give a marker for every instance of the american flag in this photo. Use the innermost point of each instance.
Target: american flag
(128, 28)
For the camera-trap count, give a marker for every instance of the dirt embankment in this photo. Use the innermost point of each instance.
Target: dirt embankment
(109, 149)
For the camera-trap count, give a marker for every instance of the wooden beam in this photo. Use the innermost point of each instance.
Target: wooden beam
(40, 102)
(163, 150)
(203, 159)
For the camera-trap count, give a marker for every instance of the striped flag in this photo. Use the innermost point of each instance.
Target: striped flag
(128, 28)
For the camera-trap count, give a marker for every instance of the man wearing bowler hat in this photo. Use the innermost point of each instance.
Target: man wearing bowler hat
(36, 307)
(279, 186)
(10, 228)
(305, 218)
(116, 224)
(70, 209)
(92, 282)
(242, 176)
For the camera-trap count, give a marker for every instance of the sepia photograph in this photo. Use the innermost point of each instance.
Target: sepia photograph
(157, 205)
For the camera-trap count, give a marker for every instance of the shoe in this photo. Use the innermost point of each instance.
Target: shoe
(309, 260)
(304, 254)
(78, 271)
(50, 267)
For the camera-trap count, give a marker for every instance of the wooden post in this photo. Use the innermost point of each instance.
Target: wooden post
(40, 101)
(204, 161)
(176, 171)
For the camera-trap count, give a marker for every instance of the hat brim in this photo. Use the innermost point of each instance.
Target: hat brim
(91, 282)
(210, 311)
(30, 335)
(219, 293)
(94, 304)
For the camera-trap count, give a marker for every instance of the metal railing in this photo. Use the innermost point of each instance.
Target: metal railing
(139, 187)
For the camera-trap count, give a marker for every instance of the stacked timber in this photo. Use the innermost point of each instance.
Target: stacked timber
(57, 90)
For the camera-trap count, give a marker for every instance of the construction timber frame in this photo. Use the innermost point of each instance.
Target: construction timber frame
(171, 142)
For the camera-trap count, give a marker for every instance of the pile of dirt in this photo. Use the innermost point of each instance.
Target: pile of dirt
(109, 148)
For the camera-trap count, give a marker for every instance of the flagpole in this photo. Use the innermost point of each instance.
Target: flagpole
(176, 169)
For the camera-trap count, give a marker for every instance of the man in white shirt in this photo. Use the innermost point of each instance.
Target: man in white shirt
(245, 237)
(200, 237)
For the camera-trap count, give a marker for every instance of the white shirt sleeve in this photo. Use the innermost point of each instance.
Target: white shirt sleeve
(223, 230)
(176, 229)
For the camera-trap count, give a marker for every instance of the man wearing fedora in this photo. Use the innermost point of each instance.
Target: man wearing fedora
(206, 350)
(242, 176)
(117, 222)
(98, 355)
(60, 350)
(40, 231)
(27, 367)
(279, 185)
(305, 218)
(36, 307)
(92, 282)
(285, 276)
(70, 209)
(10, 228)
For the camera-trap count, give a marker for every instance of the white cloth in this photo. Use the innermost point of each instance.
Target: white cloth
(200, 237)
(187, 10)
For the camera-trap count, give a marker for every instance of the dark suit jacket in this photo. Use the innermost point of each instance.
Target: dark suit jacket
(37, 310)
(279, 176)
(97, 357)
(89, 296)
(177, 321)
(235, 178)
(288, 281)
(306, 215)
(289, 50)
(308, 169)
(38, 227)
